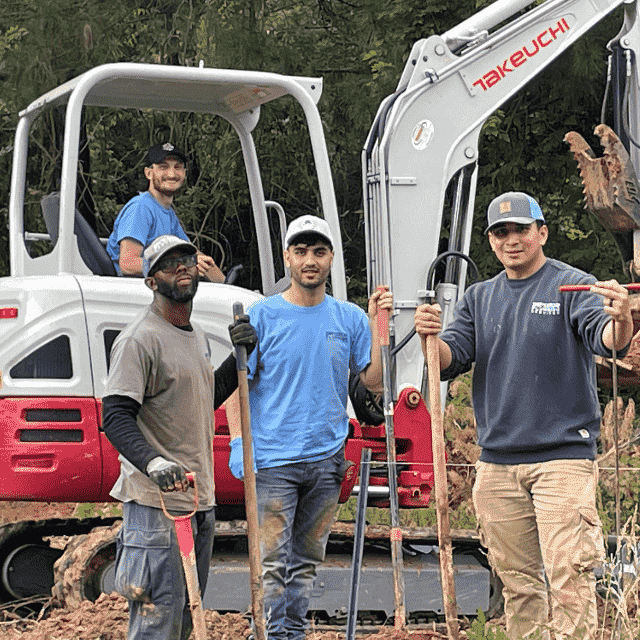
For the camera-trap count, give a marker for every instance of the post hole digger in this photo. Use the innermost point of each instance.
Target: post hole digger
(616, 444)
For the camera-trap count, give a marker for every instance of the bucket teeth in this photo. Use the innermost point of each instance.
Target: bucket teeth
(611, 189)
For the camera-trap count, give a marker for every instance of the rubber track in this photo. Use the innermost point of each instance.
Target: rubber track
(75, 566)
(33, 531)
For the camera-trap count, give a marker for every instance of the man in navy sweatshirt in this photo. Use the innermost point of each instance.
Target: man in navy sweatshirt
(538, 417)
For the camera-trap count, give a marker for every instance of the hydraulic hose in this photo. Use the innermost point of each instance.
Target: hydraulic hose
(431, 286)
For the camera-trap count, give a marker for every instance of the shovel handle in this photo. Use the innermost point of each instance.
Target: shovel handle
(241, 351)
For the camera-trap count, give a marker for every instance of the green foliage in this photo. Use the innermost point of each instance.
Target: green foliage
(360, 52)
(481, 630)
(427, 517)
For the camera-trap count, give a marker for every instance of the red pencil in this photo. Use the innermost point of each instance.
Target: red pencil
(635, 286)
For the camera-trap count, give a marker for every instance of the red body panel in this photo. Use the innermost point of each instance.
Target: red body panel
(53, 449)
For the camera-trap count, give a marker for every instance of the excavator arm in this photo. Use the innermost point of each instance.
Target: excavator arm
(424, 144)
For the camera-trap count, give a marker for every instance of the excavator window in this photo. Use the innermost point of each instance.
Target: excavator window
(51, 360)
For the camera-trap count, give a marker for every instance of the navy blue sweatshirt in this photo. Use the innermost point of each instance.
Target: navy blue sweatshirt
(534, 382)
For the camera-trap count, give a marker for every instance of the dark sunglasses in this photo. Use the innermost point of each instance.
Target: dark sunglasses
(170, 265)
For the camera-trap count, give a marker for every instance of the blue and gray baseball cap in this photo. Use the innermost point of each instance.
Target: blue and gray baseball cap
(513, 206)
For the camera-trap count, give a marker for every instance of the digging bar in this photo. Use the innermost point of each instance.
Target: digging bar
(442, 498)
(395, 534)
(565, 288)
(184, 533)
(358, 543)
(250, 494)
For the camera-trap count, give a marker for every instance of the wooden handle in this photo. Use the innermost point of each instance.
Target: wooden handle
(383, 324)
(241, 351)
(442, 498)
(250, 493)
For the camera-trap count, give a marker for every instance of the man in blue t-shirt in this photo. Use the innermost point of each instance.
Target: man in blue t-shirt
(308, 342)
(538, 417)
(150, 215)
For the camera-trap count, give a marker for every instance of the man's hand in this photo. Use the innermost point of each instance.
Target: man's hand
(381, 298)
(616, 299)
(427, 320)
(207, 267)
(169, 476)
(236, 459)
(243, 334)
(616, 304)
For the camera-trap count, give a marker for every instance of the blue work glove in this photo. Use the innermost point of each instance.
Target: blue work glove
(242, 333)
(236, 459)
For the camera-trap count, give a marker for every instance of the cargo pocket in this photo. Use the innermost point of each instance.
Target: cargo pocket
(139, 551)
(591, 551)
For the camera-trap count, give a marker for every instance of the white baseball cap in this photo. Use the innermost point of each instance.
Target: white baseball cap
(307, 224)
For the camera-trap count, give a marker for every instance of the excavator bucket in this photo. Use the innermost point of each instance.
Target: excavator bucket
(611, 189)
(612, 193)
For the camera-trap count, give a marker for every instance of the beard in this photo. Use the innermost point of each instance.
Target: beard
(321, 279)
(166, 188)
(173, 293)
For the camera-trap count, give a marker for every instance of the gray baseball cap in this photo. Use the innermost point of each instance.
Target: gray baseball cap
(160, 247)
(513, 206)
(307, 224)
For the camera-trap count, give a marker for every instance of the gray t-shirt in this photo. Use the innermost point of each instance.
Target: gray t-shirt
(168, 371)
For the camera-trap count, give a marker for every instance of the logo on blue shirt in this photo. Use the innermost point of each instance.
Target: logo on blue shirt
(546, 308)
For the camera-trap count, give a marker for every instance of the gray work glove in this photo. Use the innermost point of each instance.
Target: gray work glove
(169, 476)
(243, 334)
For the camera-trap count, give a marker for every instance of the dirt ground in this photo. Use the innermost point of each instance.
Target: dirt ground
(106, 619)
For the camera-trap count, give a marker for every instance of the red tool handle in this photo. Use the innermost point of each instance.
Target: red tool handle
(383, 324)
(587, 287)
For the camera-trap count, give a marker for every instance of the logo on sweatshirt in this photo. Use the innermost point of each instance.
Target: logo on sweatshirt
(546, 308)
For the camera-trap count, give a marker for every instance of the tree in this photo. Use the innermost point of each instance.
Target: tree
(359, 49)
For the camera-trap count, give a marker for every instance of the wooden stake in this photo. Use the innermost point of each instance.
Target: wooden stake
(250, 494)
(442, 498)
(395, 535)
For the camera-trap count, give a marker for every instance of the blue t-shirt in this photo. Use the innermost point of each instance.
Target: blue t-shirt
(534, 381)
(299, 377)
(144, 219)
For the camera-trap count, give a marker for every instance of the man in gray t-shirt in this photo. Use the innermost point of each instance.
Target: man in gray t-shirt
(158, 411)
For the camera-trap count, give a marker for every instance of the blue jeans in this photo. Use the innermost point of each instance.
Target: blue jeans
(149, 571)
(296, 508)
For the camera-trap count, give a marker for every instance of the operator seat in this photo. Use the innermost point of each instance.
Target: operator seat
(92, 251)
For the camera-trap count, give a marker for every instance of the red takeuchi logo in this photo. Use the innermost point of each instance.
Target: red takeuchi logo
(519, 57)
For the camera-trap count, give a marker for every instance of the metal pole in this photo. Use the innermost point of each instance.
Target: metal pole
(358, 543)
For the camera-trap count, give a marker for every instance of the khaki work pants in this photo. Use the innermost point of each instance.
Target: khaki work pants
(538, 519)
